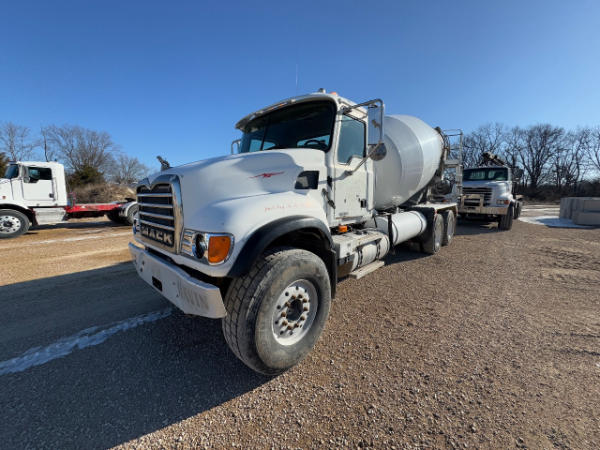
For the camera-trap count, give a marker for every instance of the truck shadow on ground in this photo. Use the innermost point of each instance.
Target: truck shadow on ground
(470, 227)
(135, 382)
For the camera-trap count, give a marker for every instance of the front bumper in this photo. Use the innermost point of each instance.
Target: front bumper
(190, 295)
(490, 210)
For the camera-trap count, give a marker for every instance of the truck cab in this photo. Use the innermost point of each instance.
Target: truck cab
(31, 193)
(488, 192)
(34, 184)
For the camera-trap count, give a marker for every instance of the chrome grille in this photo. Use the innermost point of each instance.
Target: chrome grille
(159, 210)
(486, 192)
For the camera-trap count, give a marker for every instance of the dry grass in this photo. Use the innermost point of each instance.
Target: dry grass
(102, 193)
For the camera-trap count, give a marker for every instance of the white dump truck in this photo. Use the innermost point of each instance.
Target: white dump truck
(488, 192)
(319, 188)
(35, 193)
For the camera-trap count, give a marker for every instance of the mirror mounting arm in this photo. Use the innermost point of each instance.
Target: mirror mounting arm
(237, 143)
(360, 105)
(371, 153)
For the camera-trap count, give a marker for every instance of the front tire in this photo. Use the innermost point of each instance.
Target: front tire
(12, 223)
(518, 208)
(276, 313)
(506, 221)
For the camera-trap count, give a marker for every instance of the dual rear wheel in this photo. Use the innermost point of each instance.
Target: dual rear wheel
(440, 232)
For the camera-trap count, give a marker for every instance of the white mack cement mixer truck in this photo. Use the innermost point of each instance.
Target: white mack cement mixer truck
(320, 188)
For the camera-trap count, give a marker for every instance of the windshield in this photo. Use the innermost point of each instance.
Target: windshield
(306, 125)
(495, 174)
(12, 171)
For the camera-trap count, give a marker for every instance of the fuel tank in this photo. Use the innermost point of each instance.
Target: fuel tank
(413, 155)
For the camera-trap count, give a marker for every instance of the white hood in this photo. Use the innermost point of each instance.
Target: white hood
(208, 186)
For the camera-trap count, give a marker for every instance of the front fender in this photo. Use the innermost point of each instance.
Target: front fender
(243, 217)
(260, 240)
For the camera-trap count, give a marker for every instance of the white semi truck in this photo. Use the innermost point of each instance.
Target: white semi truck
(320, 188)
(35, 193)
(488, 192)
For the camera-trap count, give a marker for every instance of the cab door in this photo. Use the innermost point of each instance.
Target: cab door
(350, 191)
(38, 186)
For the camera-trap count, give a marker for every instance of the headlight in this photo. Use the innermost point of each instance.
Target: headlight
(211, 248)
(502, 202)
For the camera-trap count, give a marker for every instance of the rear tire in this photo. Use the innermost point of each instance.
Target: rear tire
(506, 221)
(113, 215)
(449, 227)
(12, 223)
(435, 233)
(259, 314)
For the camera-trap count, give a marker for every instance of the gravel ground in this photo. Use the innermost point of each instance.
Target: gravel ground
(494, 342)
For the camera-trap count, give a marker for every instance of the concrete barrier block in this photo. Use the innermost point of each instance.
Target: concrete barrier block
(591, 205)
(565, 208)
(587, 218)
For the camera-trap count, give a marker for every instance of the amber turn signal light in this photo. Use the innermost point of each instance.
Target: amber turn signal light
(218, 248)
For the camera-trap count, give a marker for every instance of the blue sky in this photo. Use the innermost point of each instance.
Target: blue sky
(172, 78)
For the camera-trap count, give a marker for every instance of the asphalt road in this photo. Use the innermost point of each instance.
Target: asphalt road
(63, 383)
(479, 345)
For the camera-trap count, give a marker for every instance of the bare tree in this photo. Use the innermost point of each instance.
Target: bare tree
(82, 149)
(513, 144)
(3, 164)
(486, 138)
(128, 170)
(46, 143)
(593, 149)
(569, 162)
(540, 144)
(16, 141)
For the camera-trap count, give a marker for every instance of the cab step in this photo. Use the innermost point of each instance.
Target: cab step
(365, 270)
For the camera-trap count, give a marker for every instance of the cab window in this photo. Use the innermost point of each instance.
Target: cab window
(304, 125)
(40, 173)
(12, 171)
(352, 139)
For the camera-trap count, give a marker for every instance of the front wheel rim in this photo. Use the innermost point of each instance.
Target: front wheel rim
(294, 312)
(9, 224)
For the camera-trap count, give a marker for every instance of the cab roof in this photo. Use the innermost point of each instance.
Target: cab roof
(38, 163)
(333, 97)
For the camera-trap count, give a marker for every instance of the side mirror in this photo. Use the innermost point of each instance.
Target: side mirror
(517, 173)
(235, 146)
(375, 113)
(378, 152)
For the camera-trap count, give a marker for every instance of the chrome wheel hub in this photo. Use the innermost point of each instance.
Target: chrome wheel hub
(9, 224)
(294, 312)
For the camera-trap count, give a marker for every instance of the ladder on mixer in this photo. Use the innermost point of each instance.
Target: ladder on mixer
(454, 158)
